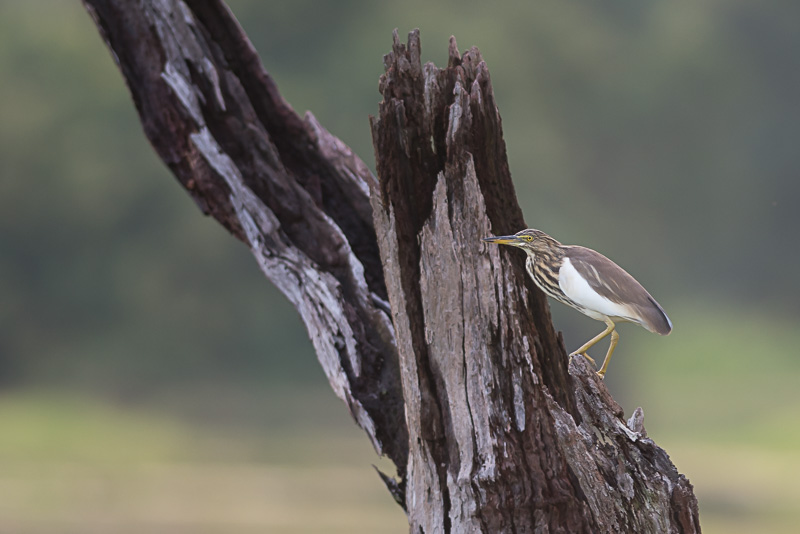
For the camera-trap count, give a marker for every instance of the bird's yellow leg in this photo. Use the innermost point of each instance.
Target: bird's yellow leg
(589, 344)
(614, 340)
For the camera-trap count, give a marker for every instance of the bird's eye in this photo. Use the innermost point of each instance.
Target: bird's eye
(528, 238)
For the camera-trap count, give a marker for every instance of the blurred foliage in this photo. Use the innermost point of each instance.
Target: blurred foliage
(668, 126)
(663, 134)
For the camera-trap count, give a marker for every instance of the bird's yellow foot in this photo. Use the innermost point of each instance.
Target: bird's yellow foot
(601, 373)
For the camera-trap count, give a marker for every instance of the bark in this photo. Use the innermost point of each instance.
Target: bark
(295, 194)
(439, 345)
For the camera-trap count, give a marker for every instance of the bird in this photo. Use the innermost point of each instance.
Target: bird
(589, 282)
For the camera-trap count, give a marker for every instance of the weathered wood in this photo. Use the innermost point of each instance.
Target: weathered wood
(296, 195)
(466, 388)
(503, 439)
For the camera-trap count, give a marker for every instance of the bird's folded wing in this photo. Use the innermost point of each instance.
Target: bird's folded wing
(594, 281)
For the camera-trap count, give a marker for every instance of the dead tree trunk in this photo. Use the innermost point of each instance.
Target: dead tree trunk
(465, 387)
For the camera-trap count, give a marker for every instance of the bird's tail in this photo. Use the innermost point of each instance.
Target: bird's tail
(655, 318)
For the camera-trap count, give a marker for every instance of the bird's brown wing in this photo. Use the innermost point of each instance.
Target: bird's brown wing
(612, 282)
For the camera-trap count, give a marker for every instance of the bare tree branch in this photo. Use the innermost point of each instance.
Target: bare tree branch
(296, 195)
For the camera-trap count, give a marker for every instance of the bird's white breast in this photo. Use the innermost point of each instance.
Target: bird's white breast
(579, 291)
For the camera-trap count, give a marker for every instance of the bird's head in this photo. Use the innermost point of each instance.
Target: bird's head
(533, 241)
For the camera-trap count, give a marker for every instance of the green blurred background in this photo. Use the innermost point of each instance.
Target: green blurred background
(151, 380)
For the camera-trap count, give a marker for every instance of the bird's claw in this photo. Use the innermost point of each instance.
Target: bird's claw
(601, 373)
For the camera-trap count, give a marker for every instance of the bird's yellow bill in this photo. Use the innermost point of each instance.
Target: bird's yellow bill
(502, 239)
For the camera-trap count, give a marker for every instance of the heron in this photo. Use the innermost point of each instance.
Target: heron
(589, 282)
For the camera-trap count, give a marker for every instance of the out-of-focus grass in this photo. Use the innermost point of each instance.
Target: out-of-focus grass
(741, 489)
(720, 395)
(47, 426)
(721, 377)
(73, 464)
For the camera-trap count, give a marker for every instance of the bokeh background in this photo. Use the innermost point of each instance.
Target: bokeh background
(151, 380)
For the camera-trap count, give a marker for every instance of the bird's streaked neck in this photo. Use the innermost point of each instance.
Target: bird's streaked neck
(553, 254)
